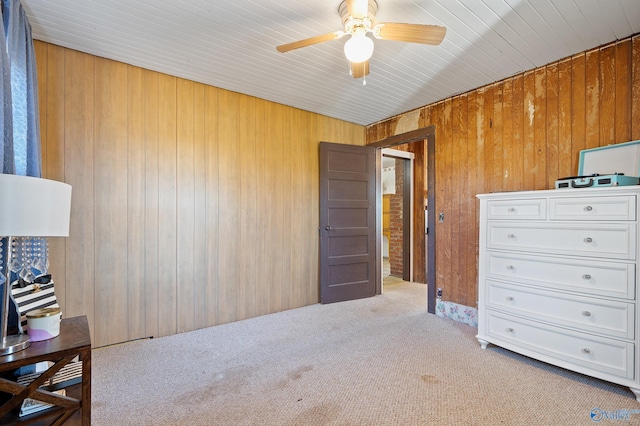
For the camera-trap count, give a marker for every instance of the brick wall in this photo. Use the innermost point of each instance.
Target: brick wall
(395, 223)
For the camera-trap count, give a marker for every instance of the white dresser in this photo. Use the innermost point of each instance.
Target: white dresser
(558, 281)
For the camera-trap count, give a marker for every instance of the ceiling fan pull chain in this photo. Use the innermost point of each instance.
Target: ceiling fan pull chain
(364, 80)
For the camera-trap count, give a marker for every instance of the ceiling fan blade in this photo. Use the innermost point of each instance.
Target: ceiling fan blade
(310, 41)
(358, 9)
(359, 69)
(411, 33)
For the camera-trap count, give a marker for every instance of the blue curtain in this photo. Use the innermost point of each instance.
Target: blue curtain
(6, 114)
(24, 90)
(20, 151)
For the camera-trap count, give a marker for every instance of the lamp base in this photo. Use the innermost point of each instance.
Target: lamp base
(14, 343)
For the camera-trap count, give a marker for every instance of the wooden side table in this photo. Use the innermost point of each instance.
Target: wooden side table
(74, 340)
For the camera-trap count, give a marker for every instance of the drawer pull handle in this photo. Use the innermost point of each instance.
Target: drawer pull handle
(510, 330)
(588, 240)
(512, 210)
(588, 208)
(586, 351)
(586, 313)
(586, 276)
(510, 298)
(511, 236)
(511, 267)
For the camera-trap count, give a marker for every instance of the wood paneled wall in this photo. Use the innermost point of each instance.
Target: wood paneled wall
(192, 206)
(521, 133)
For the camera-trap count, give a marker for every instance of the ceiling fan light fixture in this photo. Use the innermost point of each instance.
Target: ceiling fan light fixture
(358, 48)
(359, 19)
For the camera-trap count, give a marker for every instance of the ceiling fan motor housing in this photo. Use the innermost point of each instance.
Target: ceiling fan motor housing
(352, 24)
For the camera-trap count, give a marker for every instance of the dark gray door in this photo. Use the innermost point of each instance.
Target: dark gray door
(348, 257)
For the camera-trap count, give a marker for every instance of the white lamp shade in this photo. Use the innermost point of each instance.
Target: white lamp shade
(358, 48)
(34, 207)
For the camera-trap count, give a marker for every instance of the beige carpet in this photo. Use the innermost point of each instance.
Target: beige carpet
(377, 361)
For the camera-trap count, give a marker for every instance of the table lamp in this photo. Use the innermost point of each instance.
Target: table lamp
(29, 207)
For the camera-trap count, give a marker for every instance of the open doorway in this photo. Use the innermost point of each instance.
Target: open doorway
(397, 216)
(420, 142)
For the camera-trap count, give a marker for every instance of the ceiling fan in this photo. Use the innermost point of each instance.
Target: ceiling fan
(358, 18)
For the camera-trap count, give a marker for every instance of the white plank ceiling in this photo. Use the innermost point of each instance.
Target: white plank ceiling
(231, 44)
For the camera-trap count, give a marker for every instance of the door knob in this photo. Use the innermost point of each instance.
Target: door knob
(328, 228)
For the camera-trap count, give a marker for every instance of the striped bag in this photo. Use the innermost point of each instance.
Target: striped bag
(30, 296)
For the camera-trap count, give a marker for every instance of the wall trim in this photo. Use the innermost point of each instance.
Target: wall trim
(457, 312)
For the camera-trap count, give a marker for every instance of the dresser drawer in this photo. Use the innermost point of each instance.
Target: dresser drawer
(517, 209)
(608, 317)
(616, 241)
(589, 277)
(593, 208)
(601, 354)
